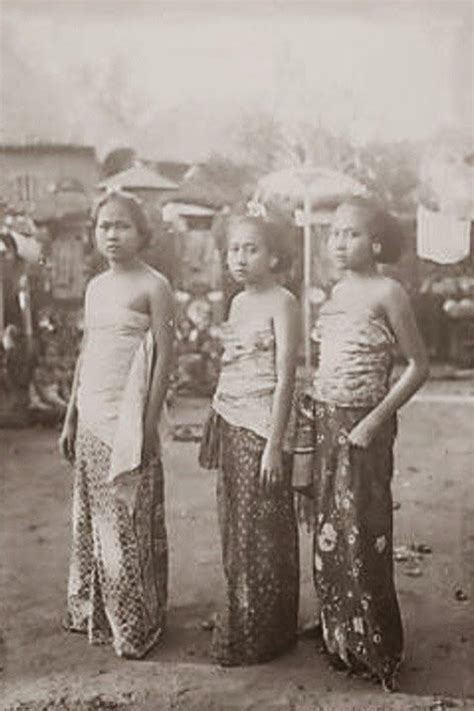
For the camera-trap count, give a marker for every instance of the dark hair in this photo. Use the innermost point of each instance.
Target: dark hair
(274, 236)
(134, 207)
(384, 229)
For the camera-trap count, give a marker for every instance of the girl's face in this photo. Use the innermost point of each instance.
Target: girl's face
(116, 234)
(349, 243)
(248, 257)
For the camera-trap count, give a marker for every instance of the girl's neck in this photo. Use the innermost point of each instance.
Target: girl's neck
(125, 267)
(265, 284)
(367, 272)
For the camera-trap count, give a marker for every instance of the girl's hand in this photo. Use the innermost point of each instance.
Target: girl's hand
(271, 468)
(67, 439)
(363, 433)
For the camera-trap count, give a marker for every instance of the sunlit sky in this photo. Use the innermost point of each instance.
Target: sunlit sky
(374, 70)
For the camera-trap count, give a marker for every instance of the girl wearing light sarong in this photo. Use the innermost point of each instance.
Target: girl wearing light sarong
(117, 589)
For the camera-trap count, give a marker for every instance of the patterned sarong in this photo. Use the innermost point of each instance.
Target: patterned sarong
(118, 575)
(353, 530)
(259, 549)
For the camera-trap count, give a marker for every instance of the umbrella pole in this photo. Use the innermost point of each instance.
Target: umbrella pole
(307, 285)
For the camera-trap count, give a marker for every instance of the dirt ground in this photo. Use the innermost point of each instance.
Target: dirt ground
(45, 668)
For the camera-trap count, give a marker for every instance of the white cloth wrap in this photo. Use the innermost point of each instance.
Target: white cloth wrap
(114, 384)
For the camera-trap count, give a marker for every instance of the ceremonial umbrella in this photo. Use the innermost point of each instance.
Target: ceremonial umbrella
(307, 187)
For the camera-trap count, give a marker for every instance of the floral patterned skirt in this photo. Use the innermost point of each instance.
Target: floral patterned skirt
(353, 564)
(259, 549)
(117, 588)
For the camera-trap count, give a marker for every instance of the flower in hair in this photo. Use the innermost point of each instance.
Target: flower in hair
(256, 209)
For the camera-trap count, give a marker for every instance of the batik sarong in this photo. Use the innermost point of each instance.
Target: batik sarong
(259, 549)
(353, 562)
(117, 586)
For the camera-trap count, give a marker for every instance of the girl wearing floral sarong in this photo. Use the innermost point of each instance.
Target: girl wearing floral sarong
(245, 439)
(117, 586)
(347, 440)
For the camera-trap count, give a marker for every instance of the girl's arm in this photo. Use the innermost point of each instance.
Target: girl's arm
(286, 324)
(162, 327)
(402, 320)
(67, 438)
(71, 411)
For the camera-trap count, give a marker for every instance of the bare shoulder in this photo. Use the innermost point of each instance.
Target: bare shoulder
(285, 300)
(391, 289)
(156, 283)
(393, 298)
(285, 295)
(239, 298)
(96, 281)
(95, 284)
(238, 302)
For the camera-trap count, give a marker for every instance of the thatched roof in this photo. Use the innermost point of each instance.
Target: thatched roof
(173, 170)
(138, 177)
(212, 187)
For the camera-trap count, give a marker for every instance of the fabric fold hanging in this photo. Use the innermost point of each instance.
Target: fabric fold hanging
(126, 455)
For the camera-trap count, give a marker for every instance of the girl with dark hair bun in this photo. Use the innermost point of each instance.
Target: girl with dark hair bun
(274, 237)
(347, 441)
(134, 208)
(246, 440)
(383, 229)
(117, 588)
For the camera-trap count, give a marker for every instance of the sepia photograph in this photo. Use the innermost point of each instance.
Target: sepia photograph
(236, 355)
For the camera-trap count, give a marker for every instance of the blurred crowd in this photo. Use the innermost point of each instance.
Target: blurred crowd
(36, 373)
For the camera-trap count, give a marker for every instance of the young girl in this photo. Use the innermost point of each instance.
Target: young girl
(118, 574)
(354, 409)
(245, 440)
